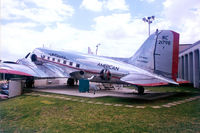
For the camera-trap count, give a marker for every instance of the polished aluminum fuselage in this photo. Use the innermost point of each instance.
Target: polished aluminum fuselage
(91, 65)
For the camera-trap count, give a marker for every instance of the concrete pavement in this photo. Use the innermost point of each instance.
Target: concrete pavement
(122, 92)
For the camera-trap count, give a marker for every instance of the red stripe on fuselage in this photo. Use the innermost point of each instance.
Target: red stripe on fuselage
(175, 55)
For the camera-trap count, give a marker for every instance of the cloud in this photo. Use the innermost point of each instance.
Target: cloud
(149, 1)
(116, 5)
(118, 23)
(184, 17)
(24, 21)
(20, 38)
(17, 39)
(116, 32)
(180, 10)
(40, 11)
(93, 5)
(111, 23)
(191, 29)
(120, 33)
(96, 5)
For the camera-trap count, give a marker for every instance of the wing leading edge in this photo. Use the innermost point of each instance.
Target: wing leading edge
(39, 71)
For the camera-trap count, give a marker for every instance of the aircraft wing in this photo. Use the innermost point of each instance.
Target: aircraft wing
(46, 70)
(146, 80)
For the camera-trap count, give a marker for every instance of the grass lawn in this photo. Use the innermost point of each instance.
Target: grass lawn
(42, 114)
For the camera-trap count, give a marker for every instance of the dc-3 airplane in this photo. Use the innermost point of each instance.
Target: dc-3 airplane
(154, 64)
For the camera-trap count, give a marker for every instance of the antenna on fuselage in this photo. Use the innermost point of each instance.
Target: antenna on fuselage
(97, 47)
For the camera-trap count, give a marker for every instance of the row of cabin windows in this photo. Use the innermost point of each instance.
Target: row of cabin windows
(64, 62)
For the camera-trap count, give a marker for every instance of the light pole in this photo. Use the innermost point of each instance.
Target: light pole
(149, 20)
(97, 47)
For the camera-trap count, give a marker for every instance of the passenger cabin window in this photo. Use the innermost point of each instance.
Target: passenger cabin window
(43, 56)
(64, 62)
(53, 59)
(48, 58)
(58, 60)
(71, 63)
(78, 65)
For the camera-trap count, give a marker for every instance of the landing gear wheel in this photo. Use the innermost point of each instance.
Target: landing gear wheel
(29, 82)
(140, 90)
(70, 82)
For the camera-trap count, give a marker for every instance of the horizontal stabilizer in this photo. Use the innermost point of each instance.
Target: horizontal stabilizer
(146, 80)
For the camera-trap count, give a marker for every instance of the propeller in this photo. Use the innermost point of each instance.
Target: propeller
(27, 55)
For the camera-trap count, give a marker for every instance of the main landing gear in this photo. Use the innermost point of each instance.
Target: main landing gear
(70, 82)
(140, 90)
(29, 82)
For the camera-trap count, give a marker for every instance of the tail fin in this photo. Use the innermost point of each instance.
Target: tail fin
(159, 54)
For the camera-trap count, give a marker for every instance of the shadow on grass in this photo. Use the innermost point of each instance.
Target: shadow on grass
(177, 96)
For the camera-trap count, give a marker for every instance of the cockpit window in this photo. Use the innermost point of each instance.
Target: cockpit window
(78, 65)
(43, 56)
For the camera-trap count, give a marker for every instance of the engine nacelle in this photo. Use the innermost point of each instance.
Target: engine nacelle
(105, 74)
(36, 60)
(78, 74)
(33, 57)
(81, 73)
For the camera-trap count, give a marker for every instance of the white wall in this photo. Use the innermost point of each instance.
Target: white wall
(189, 64)
(15, 88)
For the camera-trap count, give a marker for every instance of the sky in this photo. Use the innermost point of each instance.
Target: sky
(78, 24)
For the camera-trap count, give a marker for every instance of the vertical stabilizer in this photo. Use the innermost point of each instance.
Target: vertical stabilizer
(159, 54)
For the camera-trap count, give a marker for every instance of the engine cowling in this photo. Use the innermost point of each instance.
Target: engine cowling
(33, 57)
(78, 74)
(36, 60)
(105, 74)
(81, 73)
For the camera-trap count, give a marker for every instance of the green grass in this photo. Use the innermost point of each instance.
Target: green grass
(41, 114)
(175, 88)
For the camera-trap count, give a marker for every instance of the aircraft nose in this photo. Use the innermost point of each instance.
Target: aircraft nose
(33, 57)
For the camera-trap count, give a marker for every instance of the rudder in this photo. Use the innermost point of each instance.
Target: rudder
(159, 54)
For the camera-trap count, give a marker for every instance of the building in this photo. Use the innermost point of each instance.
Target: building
(189, 64)
(183, 47)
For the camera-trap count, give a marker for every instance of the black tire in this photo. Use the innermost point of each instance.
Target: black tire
(140, 90)
(70, 82)
(29, 83)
